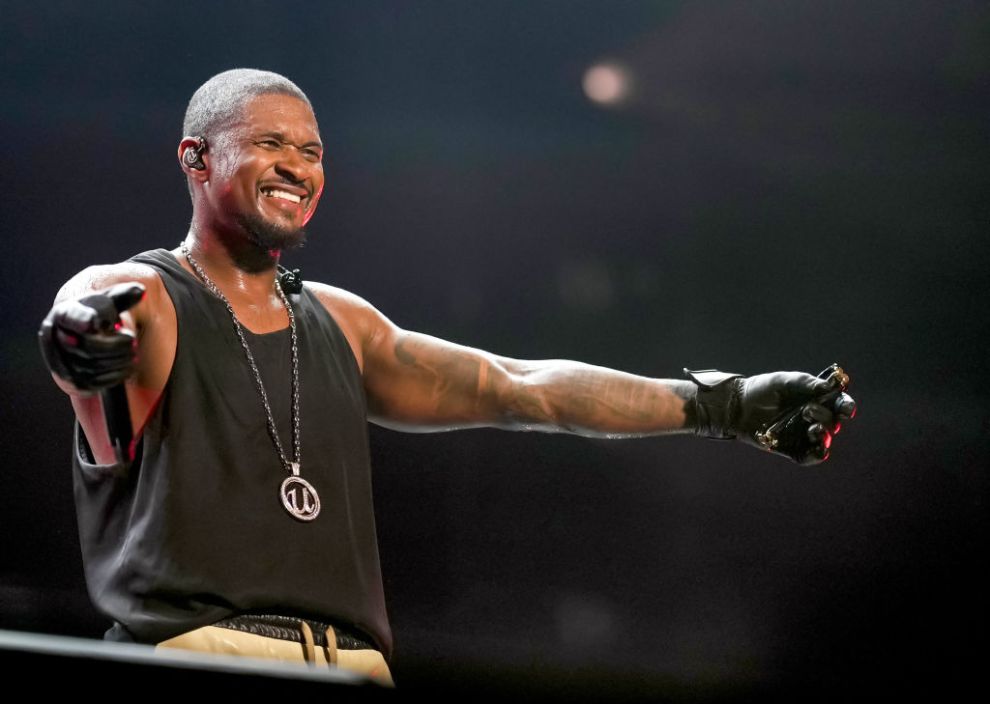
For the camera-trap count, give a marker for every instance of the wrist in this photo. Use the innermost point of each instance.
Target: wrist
(716, 403)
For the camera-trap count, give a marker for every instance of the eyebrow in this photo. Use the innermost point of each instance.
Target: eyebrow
(282, 138)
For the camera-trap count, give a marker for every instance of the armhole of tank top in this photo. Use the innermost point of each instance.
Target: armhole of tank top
(156, 408)
(178, 335)
(314, 300)
(83, 457)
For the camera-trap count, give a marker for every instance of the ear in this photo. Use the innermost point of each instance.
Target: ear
(197, 145)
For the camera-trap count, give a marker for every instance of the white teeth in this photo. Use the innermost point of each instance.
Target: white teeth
(275, 193)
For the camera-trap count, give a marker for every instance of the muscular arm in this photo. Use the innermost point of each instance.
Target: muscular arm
(422, 383)
(416, 382)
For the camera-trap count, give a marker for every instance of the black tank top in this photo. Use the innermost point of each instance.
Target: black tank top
(194, 530)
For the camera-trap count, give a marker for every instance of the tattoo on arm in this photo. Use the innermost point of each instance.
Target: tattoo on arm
(447, 386)
(455, 384)
(579, 398)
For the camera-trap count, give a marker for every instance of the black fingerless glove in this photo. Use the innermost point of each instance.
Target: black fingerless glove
(83, 342)
(789, 413)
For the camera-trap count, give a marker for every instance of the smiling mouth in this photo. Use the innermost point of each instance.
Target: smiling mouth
(272, 192)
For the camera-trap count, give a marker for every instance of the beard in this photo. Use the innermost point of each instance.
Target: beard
(268, 235)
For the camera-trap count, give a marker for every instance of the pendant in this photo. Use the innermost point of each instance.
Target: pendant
(300, 498)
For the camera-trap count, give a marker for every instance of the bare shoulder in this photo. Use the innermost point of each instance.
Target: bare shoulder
(156, 308)
(99, 277)
(338, 298)
(363, 325)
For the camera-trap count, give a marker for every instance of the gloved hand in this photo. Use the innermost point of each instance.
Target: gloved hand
(83, 342)
(789, 413)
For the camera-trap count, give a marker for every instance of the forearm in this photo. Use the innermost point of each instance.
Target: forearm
(572, 397)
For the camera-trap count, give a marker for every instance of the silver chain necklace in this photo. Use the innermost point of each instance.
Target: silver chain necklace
(298, 496)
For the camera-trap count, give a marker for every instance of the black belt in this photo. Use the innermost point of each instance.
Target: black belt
(290, 628)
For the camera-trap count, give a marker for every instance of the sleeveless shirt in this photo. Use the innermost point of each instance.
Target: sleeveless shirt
(194, 529)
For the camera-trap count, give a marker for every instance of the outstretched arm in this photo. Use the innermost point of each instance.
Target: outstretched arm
(418, 382)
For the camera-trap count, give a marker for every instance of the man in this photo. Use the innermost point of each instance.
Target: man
(244, 521)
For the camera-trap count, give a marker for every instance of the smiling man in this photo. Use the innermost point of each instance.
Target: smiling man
(241, 519)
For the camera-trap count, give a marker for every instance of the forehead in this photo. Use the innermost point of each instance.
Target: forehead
(284, 114)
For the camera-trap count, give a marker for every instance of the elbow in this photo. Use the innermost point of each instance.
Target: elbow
(527, 405)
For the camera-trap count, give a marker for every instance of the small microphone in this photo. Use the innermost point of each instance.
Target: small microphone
(117, 413)
(116, 410)
(290, 280)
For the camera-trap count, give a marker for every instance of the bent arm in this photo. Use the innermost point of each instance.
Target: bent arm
(152, 322)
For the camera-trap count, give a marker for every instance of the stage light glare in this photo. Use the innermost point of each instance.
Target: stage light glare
(606, 84)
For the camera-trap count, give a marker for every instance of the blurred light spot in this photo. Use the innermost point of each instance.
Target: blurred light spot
(606, 84)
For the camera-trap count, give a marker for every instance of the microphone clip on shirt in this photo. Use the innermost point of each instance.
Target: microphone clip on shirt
(290, 280)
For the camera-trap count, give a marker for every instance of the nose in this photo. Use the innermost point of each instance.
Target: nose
(291, 165)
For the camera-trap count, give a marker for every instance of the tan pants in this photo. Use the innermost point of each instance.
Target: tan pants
(224, 641)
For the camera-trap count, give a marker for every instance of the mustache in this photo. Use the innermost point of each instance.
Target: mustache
(285, 181)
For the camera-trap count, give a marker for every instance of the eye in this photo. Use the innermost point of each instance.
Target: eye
(311, 154)
(269, 144)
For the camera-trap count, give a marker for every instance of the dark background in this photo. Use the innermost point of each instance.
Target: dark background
(790, 184)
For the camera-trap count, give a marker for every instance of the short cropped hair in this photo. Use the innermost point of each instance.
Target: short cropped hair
(218, 102)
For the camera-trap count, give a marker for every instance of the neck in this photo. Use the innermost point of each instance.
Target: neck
(234, 263)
